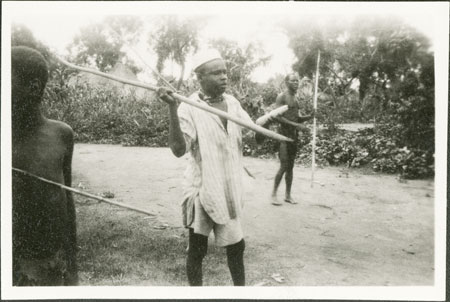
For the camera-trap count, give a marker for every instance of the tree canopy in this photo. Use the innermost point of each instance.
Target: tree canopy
(174, 39)
(101, 45)
(378, 66)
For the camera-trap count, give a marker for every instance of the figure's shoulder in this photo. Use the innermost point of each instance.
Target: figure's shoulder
(281, 97)
(58, 125)
(231, 99)
(282, 94)
(60, 128)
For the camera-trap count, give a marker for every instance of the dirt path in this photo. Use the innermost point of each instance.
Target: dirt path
(356, 229)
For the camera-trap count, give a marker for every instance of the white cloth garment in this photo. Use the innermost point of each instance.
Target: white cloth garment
(214, 171)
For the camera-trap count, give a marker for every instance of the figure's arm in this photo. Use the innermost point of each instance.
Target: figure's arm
(71, 248)
(305, 118)
(259, 138)
(298, 124)
(284, 120)
(176, 139)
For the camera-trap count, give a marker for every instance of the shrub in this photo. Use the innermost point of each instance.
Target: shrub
(410, 164)
(100, 114)
(368, 147)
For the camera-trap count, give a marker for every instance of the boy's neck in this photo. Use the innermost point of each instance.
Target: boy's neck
(28, 121)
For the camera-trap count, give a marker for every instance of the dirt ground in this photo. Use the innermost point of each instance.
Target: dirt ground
(355, 228)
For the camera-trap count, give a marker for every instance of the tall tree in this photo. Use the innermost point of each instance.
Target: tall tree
(174, 39)
(101, 44)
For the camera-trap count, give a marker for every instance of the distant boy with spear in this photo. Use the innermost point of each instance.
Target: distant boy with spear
(44, 227)
(290, 124)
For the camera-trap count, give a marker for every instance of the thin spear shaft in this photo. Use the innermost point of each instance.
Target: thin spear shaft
(313, 155)
(183, 99)
(84, 193)
(143, 61)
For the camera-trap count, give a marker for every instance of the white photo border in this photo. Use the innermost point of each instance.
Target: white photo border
(438, 11)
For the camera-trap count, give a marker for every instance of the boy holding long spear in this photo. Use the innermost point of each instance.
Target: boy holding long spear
(213, 185)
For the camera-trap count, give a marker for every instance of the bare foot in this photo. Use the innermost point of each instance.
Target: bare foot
(290, 200)
(275, 201)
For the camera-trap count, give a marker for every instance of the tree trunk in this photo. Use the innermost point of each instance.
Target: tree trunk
(180, 81)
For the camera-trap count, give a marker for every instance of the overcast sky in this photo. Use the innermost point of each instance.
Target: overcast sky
(56, 23)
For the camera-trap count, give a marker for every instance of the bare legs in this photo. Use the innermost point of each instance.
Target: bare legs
(235, 260)
(198, 247)
(287, 155)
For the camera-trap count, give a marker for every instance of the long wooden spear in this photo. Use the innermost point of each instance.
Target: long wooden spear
(142, 60)
(313, 156)
(183, 99)
(84, 193)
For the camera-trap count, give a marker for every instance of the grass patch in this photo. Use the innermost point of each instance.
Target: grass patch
(120, 247)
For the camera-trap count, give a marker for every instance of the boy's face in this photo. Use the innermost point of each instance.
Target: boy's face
(292, 82)
(214, 78)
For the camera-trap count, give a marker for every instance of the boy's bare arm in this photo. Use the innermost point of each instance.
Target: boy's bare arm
(286, 121)
(176, 139)
(71, 248)
(305, 118)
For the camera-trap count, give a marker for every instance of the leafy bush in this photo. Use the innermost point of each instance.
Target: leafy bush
(410, 164)
(100, 114)
(367, 147)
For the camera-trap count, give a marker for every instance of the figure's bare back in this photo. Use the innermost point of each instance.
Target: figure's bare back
(40, 209)
(42, 152)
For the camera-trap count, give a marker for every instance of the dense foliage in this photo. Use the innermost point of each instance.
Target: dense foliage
(108, 114)
(372, 69)
(102, 45)
(373, 148)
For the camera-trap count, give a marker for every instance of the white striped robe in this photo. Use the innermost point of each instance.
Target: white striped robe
(214, 171)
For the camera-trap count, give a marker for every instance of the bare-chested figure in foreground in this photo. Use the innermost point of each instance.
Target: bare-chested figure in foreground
(44, 228)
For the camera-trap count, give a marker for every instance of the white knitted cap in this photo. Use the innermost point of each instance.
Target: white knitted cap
(205, 56)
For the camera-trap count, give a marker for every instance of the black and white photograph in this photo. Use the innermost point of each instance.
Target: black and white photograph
(224, 150)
